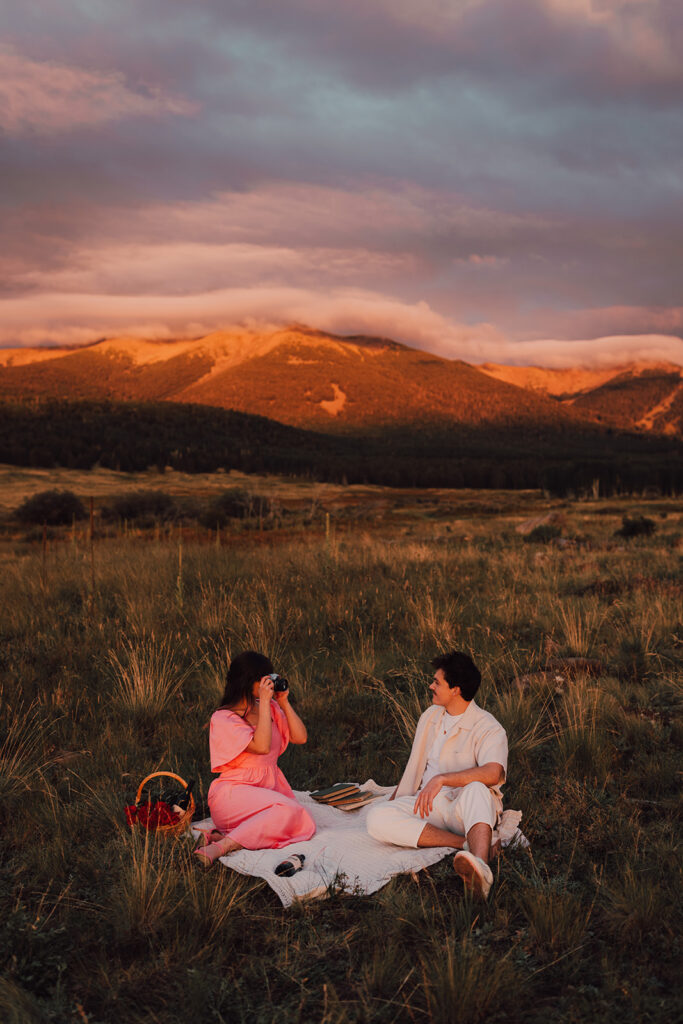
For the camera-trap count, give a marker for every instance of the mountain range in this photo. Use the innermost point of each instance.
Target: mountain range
(332, 384)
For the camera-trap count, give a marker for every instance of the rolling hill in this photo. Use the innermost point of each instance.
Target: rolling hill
(308, 378)
(296, 376)
(362, 409)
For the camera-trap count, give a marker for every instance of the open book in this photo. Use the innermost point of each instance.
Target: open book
(345, 795)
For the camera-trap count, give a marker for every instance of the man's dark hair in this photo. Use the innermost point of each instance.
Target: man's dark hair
(459, 670)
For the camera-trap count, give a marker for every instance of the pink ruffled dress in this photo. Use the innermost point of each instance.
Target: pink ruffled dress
(251, 800)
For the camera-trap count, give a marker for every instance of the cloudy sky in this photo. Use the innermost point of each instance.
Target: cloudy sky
(487, 179)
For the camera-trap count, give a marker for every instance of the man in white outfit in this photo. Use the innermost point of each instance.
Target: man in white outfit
(449, 794)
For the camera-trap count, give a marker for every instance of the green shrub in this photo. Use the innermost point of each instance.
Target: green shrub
(639, 526)
(543, 534)
(234, 504)
(144, 507)
(52, 507)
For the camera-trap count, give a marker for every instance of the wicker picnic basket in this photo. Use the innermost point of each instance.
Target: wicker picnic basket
(176, 827)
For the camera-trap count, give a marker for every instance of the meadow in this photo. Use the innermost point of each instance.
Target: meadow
(579, 637)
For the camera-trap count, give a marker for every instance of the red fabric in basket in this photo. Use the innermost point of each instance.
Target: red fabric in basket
(151, 816)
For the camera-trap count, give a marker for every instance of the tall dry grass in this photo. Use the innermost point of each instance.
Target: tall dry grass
(23, 757)
(144, 674)
(584, 931)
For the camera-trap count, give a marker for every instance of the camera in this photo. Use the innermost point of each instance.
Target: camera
(280, 684)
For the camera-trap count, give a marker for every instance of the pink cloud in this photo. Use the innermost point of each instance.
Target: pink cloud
(68, 318)
(77, 318)
(286, 232)
(181, 267)
(349, 261)
(608, 321)
(46, 97)
(314, 211)
(594, 352)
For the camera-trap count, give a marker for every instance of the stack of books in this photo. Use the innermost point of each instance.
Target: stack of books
(345, 795)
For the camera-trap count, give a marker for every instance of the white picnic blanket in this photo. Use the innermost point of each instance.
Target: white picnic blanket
(341, 856)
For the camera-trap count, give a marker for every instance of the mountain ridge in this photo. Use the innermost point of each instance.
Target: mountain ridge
(314, 379)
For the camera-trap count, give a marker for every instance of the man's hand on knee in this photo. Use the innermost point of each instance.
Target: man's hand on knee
(425, 798)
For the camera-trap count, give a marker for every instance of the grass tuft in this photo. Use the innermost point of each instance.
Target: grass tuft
(460, 981)
(145, 675)
(22, 752)
(555, 914)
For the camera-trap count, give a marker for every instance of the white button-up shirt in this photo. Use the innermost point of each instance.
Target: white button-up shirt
(477, 739)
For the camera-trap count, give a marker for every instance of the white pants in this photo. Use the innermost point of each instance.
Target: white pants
(456, 810)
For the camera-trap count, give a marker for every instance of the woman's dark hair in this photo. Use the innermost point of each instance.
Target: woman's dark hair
(459, 670)
(245, 670)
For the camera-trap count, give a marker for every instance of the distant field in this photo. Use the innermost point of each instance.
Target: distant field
(19, 483)
(579, 632)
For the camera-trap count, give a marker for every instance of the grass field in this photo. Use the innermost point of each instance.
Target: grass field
(17, 483)
(99, 688)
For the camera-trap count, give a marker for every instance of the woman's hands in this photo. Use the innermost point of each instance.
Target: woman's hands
(265, 691)
(262, 734)
(297, 729)
(260, 743)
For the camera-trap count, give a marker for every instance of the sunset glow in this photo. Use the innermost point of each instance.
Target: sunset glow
(491, 180)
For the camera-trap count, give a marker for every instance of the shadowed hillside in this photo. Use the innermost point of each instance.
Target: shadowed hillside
(131, 436)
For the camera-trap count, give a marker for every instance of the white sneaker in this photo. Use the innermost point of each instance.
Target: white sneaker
(475, 873)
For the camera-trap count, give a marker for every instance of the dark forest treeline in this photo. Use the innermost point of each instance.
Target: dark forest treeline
(131, 437)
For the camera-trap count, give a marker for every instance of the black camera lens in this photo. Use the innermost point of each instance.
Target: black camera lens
(280, 684)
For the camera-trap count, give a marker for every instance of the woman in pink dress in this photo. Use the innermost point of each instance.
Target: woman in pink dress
(251, 802)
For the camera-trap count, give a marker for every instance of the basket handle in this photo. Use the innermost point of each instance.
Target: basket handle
(154, 775)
